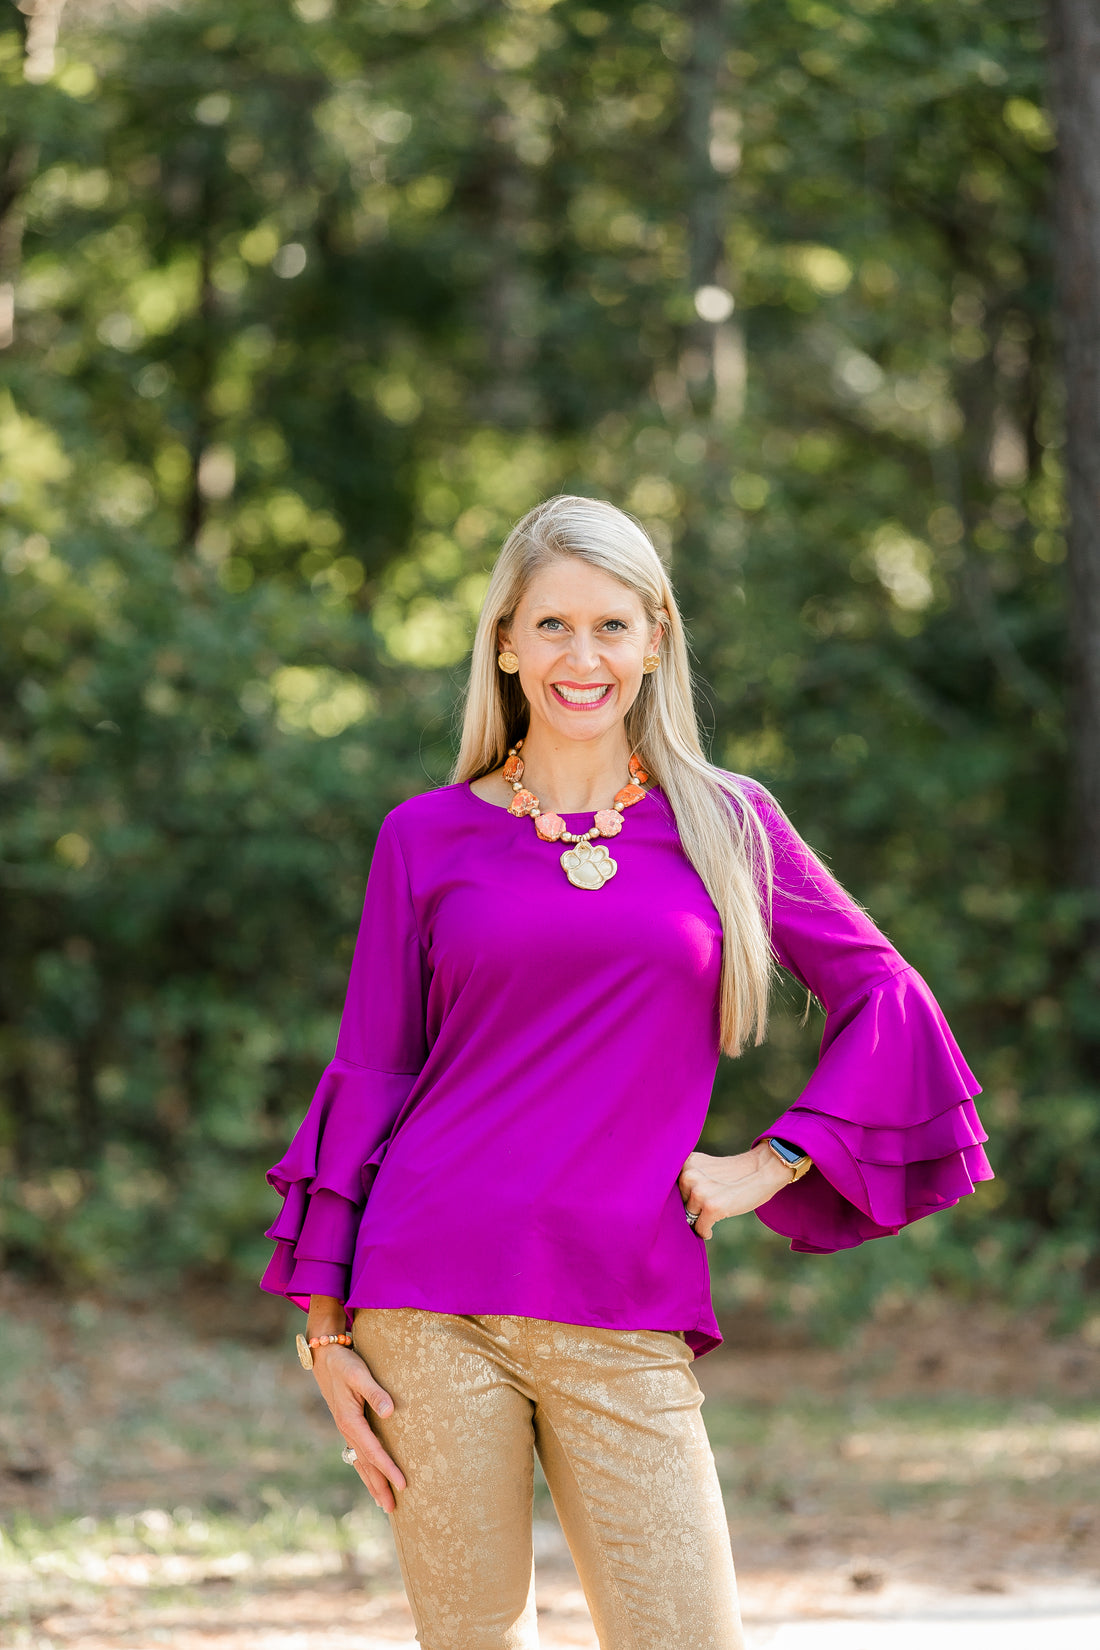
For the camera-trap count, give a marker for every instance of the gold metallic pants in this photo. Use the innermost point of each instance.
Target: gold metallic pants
(614, 1416)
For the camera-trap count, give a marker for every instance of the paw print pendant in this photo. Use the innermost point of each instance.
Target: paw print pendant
(588, 865)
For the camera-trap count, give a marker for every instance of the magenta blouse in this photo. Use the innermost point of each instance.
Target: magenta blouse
(523, 1066)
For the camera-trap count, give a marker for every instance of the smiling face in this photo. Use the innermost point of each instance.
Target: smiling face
(580, 637)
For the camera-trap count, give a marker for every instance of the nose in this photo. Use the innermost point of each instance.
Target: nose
(584, 654)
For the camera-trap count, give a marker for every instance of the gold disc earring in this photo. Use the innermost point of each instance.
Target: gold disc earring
(650, 663)
(508, 662)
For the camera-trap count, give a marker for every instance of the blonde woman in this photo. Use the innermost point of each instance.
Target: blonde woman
(497, 1183)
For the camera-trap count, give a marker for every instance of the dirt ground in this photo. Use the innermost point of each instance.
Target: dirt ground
(164, 1480)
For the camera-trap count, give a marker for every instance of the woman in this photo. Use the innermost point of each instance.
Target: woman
(496, 1182)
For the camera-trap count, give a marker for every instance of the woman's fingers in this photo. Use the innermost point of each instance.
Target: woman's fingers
(376, 1468)
(693, 1202)
(704, 1226)
(689, 1174)
(691, 1187)
(374, 1479)
(374, 1395)
(378, 1486)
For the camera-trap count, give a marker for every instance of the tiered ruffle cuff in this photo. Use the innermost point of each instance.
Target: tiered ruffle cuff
(325, 1178)
(888, 1118)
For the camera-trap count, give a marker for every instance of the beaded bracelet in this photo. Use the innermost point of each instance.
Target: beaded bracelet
(305, 1348)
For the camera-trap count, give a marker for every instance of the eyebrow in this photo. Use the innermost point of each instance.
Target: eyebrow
(544, 610)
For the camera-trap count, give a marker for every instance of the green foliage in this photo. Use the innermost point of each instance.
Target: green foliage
(313, 302)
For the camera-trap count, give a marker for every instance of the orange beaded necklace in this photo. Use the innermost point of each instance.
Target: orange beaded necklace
(585, 866)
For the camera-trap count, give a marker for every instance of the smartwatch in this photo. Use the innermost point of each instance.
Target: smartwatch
(793, 1156)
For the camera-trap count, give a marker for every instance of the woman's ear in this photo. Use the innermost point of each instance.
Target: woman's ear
(657, 637)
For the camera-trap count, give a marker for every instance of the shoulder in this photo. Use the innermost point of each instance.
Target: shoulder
(412, 836)
(797, 867)
(767, 828)
(420, 820)
(748, 796)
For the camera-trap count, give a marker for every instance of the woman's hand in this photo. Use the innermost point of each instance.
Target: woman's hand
(719, 1187)
(349, 1389)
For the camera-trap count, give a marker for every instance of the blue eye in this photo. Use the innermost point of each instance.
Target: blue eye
(609, 624)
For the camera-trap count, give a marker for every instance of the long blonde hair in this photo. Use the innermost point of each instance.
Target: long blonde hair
(727, 845)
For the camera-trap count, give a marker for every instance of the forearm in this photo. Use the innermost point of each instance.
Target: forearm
(771, 1174)
(326, 1316)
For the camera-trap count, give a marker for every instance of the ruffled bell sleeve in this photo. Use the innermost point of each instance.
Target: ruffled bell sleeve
(888, 1115)
(325, 1176)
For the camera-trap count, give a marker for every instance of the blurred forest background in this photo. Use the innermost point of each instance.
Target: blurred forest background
(303, 305)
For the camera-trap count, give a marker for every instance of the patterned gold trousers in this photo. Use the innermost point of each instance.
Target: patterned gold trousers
(615, 1419)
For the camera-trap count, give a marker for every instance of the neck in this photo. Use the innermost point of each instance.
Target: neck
(569, 777)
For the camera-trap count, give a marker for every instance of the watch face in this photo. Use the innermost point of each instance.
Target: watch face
(789, 1154)
(305, 1352)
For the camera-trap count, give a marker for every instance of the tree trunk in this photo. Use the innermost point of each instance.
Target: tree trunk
(194, 510)
(704, 186)
(39, 23)
(1075, 77)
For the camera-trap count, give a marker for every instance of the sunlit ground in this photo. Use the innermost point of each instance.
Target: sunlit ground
(162, 1483)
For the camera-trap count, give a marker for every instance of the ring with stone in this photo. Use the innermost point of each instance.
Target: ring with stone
(692, 1218)
(348, 1454)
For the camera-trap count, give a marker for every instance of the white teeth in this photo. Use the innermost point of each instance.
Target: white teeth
(581, 696)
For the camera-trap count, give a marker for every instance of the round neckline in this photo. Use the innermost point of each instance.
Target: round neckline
(500, 809)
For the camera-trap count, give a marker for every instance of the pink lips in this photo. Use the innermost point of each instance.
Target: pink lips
(589, 704)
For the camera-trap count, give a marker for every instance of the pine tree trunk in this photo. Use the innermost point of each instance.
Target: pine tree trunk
(704, 188)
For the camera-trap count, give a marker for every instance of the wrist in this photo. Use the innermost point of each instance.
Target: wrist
(309, 1349)
(314, 1331)
(789, 1156)
(326, 1351)
(770, 1167)
(773, 1172)
(326, 1316)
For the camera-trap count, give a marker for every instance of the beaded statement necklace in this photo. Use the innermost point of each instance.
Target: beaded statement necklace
(587, 864)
